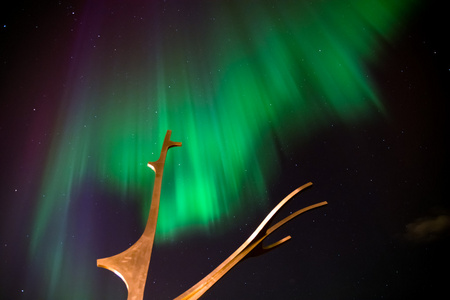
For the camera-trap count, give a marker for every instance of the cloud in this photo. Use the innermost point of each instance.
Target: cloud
(428, 228)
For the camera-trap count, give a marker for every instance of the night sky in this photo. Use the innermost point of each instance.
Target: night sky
(264, 96)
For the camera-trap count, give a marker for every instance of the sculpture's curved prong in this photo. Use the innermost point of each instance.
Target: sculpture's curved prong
(255, 239)
(276, 244)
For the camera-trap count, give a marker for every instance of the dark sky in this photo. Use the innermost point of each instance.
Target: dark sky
(385, 231)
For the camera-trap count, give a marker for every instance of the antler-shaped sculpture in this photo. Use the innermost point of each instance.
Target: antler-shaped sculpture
(132, 264)
(257, 237)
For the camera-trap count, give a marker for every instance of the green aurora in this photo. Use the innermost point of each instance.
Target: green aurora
(225, 78)
(286, 70)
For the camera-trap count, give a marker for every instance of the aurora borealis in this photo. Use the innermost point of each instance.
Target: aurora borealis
(220, 83)
(246, 86)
